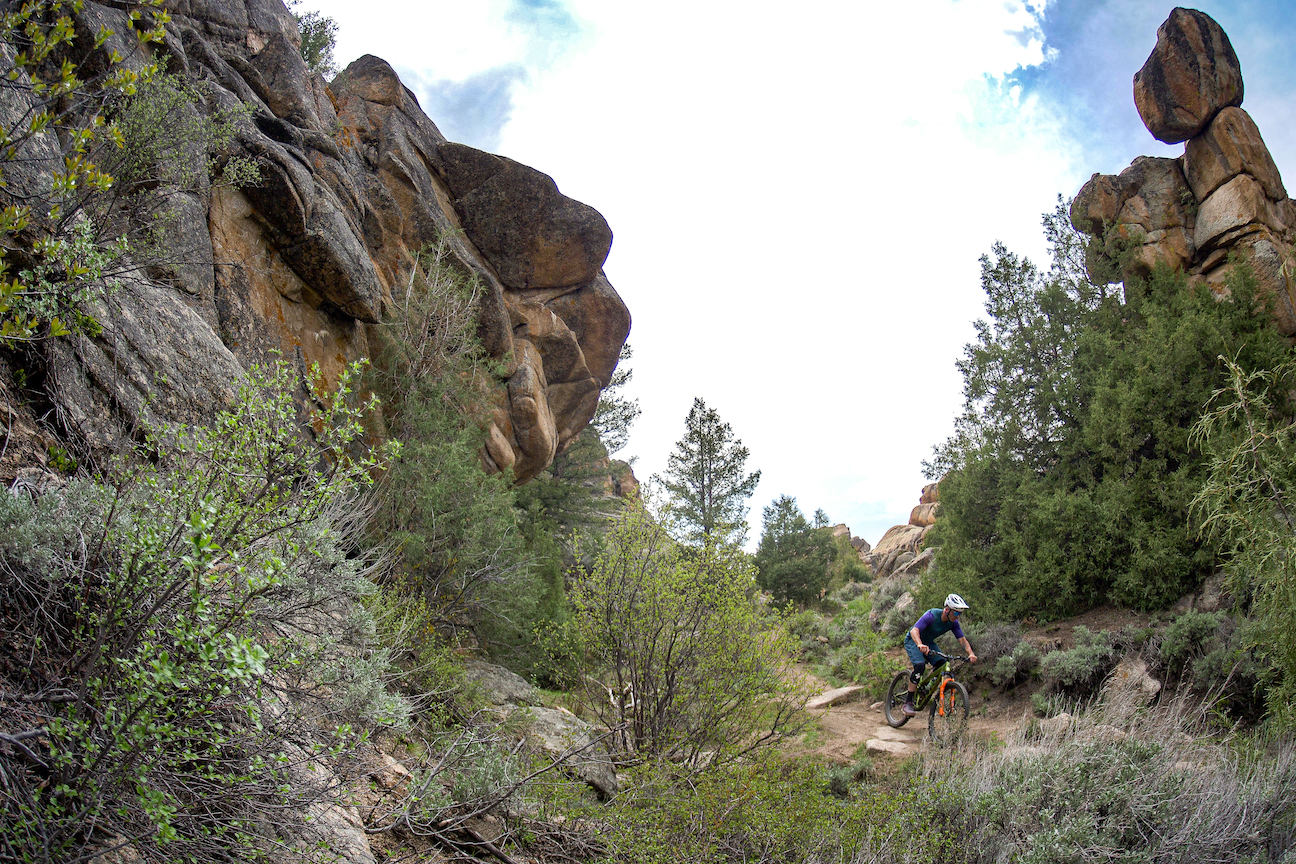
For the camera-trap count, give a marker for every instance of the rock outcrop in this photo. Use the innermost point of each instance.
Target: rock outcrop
(900, 551)
(859, 544)
(356, 182)
(1222, 201)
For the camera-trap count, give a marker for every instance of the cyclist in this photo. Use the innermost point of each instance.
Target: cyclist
(922, 637)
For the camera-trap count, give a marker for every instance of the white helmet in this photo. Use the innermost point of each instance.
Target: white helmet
(954, 601)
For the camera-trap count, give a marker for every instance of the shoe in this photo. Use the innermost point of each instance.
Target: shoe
(908, 709)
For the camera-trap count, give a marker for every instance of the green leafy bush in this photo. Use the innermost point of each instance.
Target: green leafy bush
(193, 626)
(675, 656)
(452, 526)
(793, 558)
(764, 810)
(1187, 637)
(897, 622)
(61, 81)
(1250, 436)
(1071, 471)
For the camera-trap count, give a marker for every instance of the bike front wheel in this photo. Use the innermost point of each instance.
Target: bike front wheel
(896, 695)
(949, 714)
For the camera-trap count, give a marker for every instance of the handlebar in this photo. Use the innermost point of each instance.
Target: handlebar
(946, 656)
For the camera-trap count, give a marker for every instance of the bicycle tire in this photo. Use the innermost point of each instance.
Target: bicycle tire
(945, 727)
(896, 695)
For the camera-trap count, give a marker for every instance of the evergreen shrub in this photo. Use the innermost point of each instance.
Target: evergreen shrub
(1080, 670)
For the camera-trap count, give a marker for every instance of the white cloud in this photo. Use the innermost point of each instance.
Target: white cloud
(799, 204)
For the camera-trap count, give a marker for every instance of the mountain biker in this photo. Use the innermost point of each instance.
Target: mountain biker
(921, 639)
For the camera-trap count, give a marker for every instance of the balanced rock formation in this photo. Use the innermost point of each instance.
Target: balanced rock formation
(1191, 74)
(1223, 196)
(356, 182)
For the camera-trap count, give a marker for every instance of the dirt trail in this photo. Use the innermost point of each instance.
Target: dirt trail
(853, 729)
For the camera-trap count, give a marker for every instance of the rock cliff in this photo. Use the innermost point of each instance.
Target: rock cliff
(1221, 202)
(356, 181)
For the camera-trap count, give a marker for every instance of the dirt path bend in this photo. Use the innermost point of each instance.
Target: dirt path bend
(852, 729)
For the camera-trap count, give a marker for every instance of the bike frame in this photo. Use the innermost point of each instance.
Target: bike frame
(926, 689)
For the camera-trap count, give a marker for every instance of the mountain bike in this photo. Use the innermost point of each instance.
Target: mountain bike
(947, 701)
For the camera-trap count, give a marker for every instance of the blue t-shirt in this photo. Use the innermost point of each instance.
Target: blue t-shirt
(931, 627)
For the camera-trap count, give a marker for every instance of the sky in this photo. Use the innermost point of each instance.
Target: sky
(799, 193)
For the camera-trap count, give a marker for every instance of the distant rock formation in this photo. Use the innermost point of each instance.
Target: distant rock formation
(356, 181)
(900, 552)
(1222, 199)
(859, 544)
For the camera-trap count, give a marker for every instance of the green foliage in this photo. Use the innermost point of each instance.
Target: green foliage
(1071, 469)
(846, 567)
(844, 648)
(1236, 673)
(763, 810)
(169, 134)
(792, 558)
(186, 622)
(1080, 670)
(1141, 791)
(452, 525)
(61, 83)
(1188, 637)
(615, 413)
(1011, 669)
(706, 480)
(318, 40)
(1246, 504)
(675, 658)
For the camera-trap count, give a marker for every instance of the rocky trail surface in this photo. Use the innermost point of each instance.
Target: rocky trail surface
(849, 723)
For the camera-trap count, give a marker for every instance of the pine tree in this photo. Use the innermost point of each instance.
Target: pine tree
(706, 480)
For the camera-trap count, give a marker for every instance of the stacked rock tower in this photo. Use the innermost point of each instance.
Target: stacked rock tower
(1222, 202)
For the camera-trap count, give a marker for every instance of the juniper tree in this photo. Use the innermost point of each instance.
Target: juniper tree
(707, 481)
(793, 557)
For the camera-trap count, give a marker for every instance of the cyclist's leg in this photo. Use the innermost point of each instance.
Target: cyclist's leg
(919, 661)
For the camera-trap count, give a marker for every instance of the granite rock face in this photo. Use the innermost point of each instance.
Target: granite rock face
(1221, 202)
(902, 551)
(356, 182)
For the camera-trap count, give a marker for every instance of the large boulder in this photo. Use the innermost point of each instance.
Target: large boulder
(899, 545)
(1237, 208)
(1230, 145)
(498, 685)
(535, 236)
(561, 735)
(1130, 686)
(924, 514)
(1190, 75)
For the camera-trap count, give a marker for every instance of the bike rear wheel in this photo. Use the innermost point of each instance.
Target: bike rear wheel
(896, 695)
(949, 714)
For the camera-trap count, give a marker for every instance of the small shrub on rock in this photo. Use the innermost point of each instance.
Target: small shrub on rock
(1010, 669)
(1191, 634)
(1080, 670)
